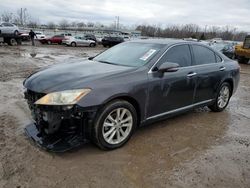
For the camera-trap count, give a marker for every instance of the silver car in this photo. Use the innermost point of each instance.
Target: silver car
(78, 41)
(8, 28)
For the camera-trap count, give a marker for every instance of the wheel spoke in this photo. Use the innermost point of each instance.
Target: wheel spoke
(110, 118)
(122, 132)
(118, 114)
(127, 119)
(108, 124)
(126, 125)
(112, 136)
(109, 132)
(123, 113)
(118, 136)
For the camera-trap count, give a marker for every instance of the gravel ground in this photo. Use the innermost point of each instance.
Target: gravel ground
(197, 149)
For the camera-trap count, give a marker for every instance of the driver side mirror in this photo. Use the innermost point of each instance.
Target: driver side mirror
(168, 67)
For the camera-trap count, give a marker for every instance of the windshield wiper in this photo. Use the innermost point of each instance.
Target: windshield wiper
(107, 62)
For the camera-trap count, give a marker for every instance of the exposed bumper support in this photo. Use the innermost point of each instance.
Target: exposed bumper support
(54, 143)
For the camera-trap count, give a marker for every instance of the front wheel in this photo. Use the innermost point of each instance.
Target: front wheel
(114, 125)
(222, 98)
(73, 44)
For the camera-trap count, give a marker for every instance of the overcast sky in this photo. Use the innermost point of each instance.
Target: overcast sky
(235, 13)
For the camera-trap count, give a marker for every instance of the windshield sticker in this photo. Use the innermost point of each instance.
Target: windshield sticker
(148, 55)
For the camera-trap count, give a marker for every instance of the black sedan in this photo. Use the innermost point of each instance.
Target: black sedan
(111, 41)
(104, 99)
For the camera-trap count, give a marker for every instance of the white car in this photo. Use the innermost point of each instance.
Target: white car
(78, 41)
(40, 35)
(8, 28)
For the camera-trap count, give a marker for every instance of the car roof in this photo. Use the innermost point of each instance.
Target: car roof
(168, 42)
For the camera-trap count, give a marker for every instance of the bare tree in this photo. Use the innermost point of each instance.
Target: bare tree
(7, 16)
(22, 17)
(81, 25)
(32, 24)
(191, 30)
(51, 25)
(90, 24)
(63, 24)
(73, 24)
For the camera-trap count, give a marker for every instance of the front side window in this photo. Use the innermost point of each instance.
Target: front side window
(178, 54)
(7, 25)
(203, 55)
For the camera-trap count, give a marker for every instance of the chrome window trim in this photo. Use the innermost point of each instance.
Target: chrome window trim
(152, 67)
(179, 109)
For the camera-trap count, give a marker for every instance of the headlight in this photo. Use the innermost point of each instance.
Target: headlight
(68, 97)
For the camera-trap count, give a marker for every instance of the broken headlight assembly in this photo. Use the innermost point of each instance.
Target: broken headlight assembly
(67, 97)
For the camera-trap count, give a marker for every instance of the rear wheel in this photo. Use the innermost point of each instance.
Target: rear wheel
(13, 42)
(114, 125)
(243, 60)
(73, 44)
(222, 98)
(92, 45)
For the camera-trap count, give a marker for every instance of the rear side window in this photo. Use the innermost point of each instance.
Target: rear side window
(203, 55)
(178, 54)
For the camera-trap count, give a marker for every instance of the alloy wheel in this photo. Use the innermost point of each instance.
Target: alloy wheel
(223, 97)
(117, 126)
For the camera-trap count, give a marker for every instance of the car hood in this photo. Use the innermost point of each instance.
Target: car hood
(74, 75)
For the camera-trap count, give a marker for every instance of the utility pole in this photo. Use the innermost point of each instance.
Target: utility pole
(21, 16)
(117, 20)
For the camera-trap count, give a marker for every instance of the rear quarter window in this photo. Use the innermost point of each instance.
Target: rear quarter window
(203, 55)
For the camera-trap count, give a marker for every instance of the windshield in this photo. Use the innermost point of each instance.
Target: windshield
(130, 54)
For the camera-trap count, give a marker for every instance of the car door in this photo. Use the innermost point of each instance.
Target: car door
(85, 41)
(172, 90)
(5, 28)
(77, 40)
(210, 71)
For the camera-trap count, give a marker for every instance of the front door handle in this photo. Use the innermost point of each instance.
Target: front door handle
(222, 68)
(191, 74)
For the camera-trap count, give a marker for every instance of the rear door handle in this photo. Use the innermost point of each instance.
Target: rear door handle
(191, 74)
(222, 68)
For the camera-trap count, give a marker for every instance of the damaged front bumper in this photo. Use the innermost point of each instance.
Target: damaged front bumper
(54, 143)
(58, 128)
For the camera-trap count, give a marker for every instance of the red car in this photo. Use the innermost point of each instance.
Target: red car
(57, 39)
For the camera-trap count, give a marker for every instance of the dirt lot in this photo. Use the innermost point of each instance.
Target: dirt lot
(197, 149)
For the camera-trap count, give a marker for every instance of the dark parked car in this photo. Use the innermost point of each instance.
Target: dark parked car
(111, 41)
(226, 48)
(90, 37)
(57, 39)
(105, 98)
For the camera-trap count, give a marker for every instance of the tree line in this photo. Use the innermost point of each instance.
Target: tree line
(192, 31)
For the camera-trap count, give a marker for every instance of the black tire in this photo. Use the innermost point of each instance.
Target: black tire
(215, 107)
(16, 32)
(13, 42)
(73, 44)
(92, 45)
(242, 60)
(97, 132)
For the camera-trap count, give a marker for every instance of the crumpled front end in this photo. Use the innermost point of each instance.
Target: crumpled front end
(58, 128)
